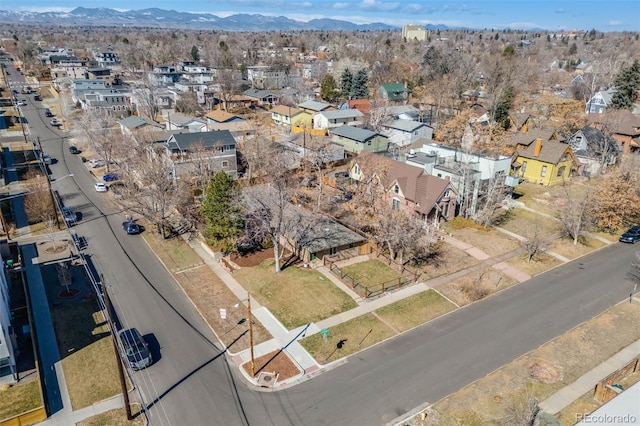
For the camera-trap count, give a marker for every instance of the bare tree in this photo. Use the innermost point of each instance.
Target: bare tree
(573, 213)
(38, 204)
(534, 243)
(98, 128)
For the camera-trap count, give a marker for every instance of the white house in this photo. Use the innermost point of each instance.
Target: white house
(333, 119)
(406, 132)
(599, 102)
(179, 121)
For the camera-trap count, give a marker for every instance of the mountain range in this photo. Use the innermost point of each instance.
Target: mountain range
(160, 18)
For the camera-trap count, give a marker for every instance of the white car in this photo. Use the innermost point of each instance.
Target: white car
(96, 162)
(100, 187)
(22, 102)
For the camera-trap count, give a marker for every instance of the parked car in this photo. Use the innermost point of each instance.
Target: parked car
(37, 97)
(74, 150)
(131, 227)
(110, 177)
(47, 112)
(46, 158)
(55, 122)
(100, 187)
(96, 162)
(632, 235)
(69, 216)
(135, 349)
(22, 102)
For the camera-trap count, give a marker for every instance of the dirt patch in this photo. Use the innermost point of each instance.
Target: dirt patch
(544, 371)
(475, 286)
(252, 259)
(274, 362)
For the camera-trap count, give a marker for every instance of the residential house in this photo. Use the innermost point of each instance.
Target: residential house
(599, 102)
(164, 75)
(396, 93)
(626, 130)
(524, 139)
(134, 123)
(470, 174)
(408, 188)
(99, 74)
(191, 153)
(593, 150)
(240, 129)
(313, 106)
(106, 58)
(8, 344)
(397, 112)
(266, 77)
(355, 140)
(179, 121)
(329, 120)
(283, 115)
(362, 105)
(406, 132)
(262, 97)
(108, 99)
(547, 162)
(219, 116)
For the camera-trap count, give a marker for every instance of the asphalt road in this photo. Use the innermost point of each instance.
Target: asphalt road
(191, 383)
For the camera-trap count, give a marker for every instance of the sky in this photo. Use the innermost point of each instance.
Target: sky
(603, 15)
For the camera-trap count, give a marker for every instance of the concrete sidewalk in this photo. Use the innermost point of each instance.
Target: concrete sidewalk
(568, 394)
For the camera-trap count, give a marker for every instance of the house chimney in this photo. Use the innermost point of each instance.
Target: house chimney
(537, 147)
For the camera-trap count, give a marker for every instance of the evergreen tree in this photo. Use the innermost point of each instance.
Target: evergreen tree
(359, 88)
(220, 211)
(627, 84)
(345, 83)
(501, 111)
(195, 54)
(328, 88)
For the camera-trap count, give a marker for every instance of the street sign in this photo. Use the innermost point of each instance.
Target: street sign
(223, 313)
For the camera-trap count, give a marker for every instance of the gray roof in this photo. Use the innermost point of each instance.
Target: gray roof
(184, 141)
(404, 125)
(354, 133)
(180, 119)
(314, 105)
(259, 94)
(133, 122)
(341, 113)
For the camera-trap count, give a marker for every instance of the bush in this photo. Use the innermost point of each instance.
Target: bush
(460, 222)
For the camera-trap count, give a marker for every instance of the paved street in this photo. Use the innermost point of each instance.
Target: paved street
(192, 384)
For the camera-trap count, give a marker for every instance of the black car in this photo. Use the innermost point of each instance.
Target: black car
(37, 97)
(135, 349)
(631, 236)
(131, 227)
(74, 150)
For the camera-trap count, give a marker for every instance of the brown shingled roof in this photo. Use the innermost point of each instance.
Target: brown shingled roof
(551, 152)
(220, 116)
(525, 139)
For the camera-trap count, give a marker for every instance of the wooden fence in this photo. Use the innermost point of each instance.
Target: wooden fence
(30, 417)
(605, 389)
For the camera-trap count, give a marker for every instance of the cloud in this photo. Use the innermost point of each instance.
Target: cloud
(378, 6)
(521, 25)
(560, 11)
(615, 23)
(412, 8)
(341, 5)
(42, 9)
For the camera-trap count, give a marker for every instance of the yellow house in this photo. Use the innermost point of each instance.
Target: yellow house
(547, 162)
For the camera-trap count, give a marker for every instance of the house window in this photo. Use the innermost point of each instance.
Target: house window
(369, 143)
(225, 164)
(543, 172)
(333, 250)
(396, 189)
(561, 171)
(439, 175)
(524, 167)
(356, 169)
(395, 205)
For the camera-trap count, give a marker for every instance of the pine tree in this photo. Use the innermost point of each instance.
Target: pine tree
(222, 214)
(359, 88)
(328, 88)
(195, 54)
(627, 84)
(345, 83)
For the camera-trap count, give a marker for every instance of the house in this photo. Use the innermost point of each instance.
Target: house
(468, 173)
(355, 140)
(283, 115)
(163, 75)
(212, 151)
(219, 116)
(314, 106)
(547, 162)
(135, 123)
(362, 105)
(599, 102)
(262, 97)
(266, 77)
(106, 58)
(179, 121)
(329, 120)
(394, 93)
(625, 129)
(620, 409)
(408, 188)
(108, 99)
(406, 132)
(524, 139)
(413, 32)
(593, 150)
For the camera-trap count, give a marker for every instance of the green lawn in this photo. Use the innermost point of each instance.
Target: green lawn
(86, 348)
(355, 334)
(20, 398)
(371, 272)
(415, 310)
(296, 296)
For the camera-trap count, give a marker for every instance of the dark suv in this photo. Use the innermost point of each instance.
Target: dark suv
(135, 349)
(631, 236)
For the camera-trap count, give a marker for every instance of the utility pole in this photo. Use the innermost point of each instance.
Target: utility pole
(54, 202)
(250, 318)
(123, 383)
